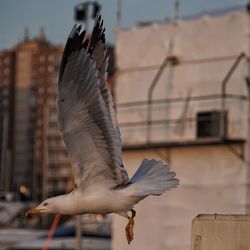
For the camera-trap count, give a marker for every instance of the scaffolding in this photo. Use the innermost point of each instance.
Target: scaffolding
(148, 123)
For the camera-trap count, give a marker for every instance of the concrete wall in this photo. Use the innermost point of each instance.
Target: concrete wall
(212, 180)
(221, 232)
(206, 49)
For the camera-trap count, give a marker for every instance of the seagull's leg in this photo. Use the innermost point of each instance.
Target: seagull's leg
(130, 226)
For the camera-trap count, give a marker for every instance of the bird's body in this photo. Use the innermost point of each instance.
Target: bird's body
(87, 121)
(119, 199)
(94, 202)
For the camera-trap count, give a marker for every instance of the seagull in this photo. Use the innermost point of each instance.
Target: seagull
(89, 127)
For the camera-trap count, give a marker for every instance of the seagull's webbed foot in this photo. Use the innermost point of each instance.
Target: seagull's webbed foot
(130, 226)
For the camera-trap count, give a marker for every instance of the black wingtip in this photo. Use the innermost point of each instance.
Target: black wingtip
(98, 34)
(76, 40)
(98, 16)
(73, 31)
(79, 29)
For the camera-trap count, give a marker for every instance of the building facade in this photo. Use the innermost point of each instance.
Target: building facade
(37, 66)
(181, 97)
(29, 138)
(7, 79)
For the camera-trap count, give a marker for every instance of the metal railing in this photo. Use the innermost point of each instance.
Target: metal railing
(150, 102)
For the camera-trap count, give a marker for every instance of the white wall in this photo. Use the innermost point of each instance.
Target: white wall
(213, 179)
(206, 48)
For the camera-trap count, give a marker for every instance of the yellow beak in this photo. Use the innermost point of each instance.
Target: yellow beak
(32, 211)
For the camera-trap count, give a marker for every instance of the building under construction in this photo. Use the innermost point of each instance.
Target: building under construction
(182, 96)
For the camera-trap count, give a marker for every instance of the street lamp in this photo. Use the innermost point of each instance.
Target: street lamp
(81, 11)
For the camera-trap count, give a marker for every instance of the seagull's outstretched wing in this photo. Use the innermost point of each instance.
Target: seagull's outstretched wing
(86, 115)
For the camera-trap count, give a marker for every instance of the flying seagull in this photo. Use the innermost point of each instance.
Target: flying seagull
(87, 121)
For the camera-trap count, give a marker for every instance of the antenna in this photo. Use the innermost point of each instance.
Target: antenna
(82, 11)
(41, 34)
(26, 34)
(118, 14)
(176, 10)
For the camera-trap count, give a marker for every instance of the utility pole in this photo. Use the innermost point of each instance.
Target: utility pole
(118, 14)
(86, 21)
(78, 219)
(82, 12)
(176, 10)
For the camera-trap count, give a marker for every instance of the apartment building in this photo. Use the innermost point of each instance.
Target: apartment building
(7, 78)
(28, 82)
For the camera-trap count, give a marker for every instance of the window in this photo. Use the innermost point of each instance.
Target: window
(6, 60)
(41, 69)
(209, 124)
(6, 81)
(41, 90)
(32, 100)
(50, 68)
(42, 59)
(6, 71)
(51, 58)
(5, 92)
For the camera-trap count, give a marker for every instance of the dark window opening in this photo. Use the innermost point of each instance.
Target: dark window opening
(209, 124)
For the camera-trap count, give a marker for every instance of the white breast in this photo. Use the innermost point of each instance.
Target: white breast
(99, 201)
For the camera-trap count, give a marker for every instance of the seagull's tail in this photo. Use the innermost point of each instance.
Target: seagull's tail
(152, 178)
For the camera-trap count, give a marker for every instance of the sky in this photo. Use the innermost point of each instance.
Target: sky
(57, 16)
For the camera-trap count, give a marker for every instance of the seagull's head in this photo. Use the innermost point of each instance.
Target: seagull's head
(47, 206)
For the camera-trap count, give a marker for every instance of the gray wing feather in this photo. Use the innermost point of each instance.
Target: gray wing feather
(101, 59)
(85, 116)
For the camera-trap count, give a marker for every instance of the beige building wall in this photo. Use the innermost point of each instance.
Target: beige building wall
(213, 180)
(206, 49)
(220, 232)
(212, 169)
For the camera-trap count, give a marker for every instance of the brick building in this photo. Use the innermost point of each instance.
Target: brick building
(7, 78)
(28, 80)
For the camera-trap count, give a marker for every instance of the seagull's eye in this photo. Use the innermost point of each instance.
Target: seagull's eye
(45, 204)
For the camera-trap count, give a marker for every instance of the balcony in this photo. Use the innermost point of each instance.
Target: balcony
(207, 114)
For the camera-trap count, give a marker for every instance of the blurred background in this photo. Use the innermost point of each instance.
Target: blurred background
(179, 73)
